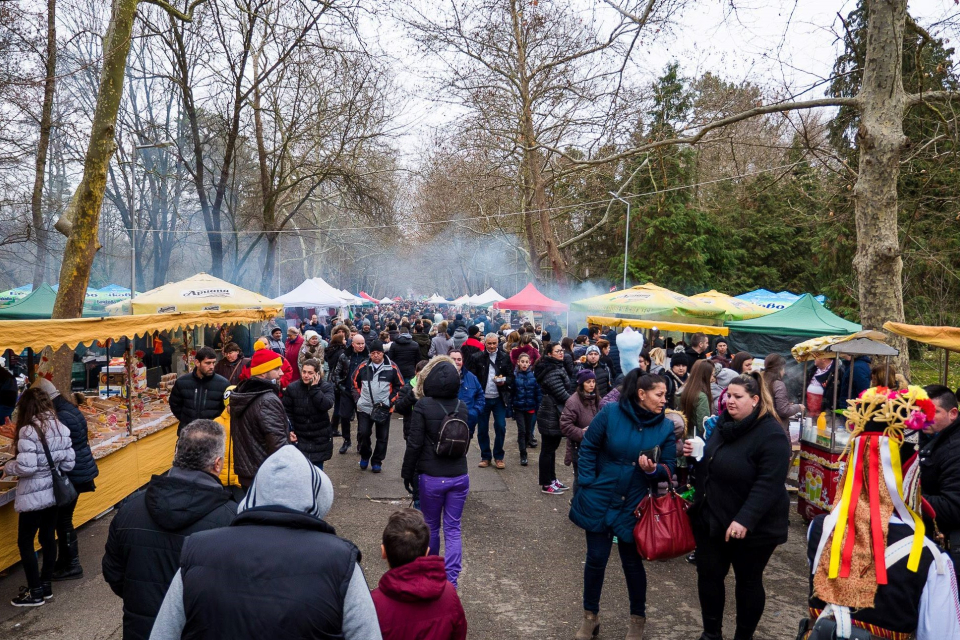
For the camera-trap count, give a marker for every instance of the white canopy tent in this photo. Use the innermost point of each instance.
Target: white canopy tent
(314, 293)
(487, 297)
(437, 299)
(387, 300)
(465, 299)
(351, 299)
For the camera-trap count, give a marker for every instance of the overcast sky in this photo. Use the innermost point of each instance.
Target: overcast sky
(776, 43)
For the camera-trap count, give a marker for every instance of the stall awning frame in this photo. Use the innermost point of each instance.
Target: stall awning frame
(37, 334)
(657, 324)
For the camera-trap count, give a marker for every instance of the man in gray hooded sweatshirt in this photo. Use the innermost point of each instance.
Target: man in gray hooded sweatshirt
(279, 571)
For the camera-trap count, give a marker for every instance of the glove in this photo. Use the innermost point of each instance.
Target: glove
(408, 486)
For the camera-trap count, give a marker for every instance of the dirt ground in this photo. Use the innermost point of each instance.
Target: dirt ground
(522, 575)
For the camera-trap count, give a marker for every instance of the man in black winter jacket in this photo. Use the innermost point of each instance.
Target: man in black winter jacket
(258, 423)
(198, 394)
(308, 402)
(342, 377)
(495, 372)
(143, 547)
(405, 353)
(940, 467)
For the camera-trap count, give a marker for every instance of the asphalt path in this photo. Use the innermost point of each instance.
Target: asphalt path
(522, 570)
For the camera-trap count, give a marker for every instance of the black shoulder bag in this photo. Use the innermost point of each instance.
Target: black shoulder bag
(63, 490)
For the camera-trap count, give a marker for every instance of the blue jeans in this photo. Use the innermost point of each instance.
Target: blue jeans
(499, 410)
(598, 552)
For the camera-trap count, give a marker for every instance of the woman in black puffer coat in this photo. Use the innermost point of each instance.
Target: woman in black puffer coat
(307, 403)
(84, 471)
(551, 375)
(443, 481)
(331, 355)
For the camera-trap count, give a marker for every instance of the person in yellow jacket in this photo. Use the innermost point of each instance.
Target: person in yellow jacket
(227, 475)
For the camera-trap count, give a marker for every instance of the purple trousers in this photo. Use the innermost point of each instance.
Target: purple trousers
(444, 498)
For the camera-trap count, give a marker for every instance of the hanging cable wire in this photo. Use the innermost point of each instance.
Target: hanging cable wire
(579, 205)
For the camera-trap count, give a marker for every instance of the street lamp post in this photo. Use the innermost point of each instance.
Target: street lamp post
(626, 240)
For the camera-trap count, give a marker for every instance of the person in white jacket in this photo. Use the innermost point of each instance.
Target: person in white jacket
(37, 425)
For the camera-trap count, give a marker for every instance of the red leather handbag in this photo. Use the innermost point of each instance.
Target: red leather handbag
(663, 529)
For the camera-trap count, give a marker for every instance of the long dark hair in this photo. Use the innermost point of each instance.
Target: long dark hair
(697, 382)
(567, 344)
(31, 407)
(773, 366)
(737, 363)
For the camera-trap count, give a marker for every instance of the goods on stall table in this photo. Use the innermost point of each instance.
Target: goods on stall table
(820, 472)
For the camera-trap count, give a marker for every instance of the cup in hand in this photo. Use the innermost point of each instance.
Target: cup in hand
(697, 444)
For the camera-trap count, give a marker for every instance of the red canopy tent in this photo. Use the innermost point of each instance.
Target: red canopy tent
(366, 296)
(529, 299)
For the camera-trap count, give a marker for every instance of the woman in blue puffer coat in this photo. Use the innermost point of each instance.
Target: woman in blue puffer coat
(613, 478)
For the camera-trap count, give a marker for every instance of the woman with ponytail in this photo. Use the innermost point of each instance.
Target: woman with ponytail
(741, 509)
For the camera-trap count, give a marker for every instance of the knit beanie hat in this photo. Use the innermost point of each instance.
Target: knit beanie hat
(263, 361)
(375, 345)
(259, 344)
(593, 349)
(288, 479)
(584, 375)
(473, 330)
(680, 359)
(310, 334)
(47, 386)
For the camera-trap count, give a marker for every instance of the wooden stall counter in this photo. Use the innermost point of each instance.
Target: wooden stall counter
(122, 471)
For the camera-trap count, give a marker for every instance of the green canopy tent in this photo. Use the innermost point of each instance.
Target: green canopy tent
(806, 318)
(39, 306)
(779, 332)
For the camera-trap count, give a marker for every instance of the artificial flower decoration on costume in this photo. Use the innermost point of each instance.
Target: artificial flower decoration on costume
(892, 409)
(850, 561)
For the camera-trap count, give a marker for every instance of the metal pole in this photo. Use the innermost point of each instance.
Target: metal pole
(626, 240)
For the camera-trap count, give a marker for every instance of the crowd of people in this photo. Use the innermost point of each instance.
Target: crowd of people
(631, 413)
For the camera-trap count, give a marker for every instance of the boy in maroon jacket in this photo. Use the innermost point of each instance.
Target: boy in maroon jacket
(414, 599)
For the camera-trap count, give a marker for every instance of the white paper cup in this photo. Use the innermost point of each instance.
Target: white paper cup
(698, 445)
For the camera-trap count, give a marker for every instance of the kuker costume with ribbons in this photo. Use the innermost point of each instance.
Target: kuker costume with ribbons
(874, 573)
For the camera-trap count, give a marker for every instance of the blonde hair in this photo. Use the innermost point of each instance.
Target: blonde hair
(658, 356)
(422, 376)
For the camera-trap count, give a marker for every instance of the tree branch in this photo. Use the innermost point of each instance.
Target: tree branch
(173, 11)
(641, 19)
(914, 99)
(707, 128)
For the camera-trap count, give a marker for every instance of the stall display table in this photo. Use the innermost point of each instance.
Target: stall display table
(123, 470)
(819, 476)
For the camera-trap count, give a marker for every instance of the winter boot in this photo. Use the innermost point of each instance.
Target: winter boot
(635, 632)
(590, 626)
(29, 598)
(71, 569)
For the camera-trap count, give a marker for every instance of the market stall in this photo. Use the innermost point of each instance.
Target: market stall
(201, 292)
(130, 432)
(824, 438)
(946, 338)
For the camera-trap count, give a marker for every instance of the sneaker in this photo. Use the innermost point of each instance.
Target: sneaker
(692, 558)
(551, 490)
(345, 447)
(29, 598)
(523, 461)
(47, 590)
(363, 464)
(484, 464)
(376, 468)
(533, 443)
(559, 487)
(499, 464)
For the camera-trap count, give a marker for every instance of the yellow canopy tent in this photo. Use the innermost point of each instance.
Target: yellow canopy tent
(606, 321)
(947, 338)
(37, 334)
(648, 302)
(733, 308)
(201, 292)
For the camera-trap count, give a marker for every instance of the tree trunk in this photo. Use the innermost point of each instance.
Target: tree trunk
(46, 121)
(883, 102)
(81, 221)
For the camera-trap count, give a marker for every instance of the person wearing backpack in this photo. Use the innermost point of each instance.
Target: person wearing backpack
(437, 453)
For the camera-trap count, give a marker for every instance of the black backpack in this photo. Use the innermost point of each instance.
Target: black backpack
(453, 440)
